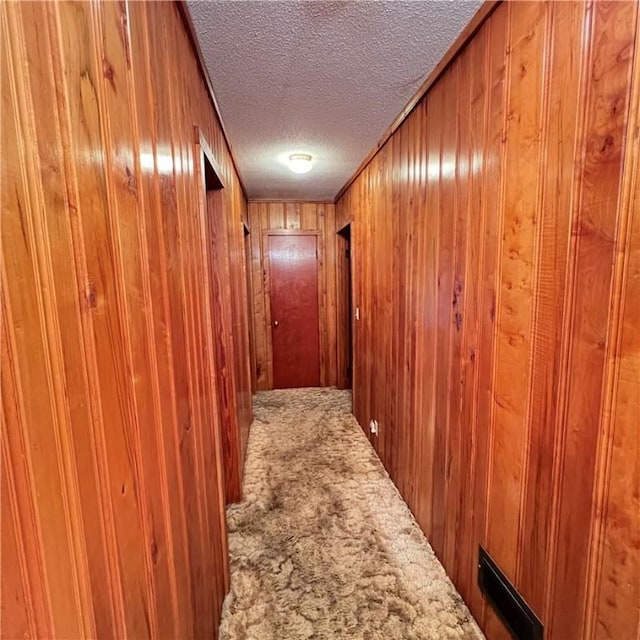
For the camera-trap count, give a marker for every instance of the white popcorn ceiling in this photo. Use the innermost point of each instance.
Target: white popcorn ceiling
(325, 77)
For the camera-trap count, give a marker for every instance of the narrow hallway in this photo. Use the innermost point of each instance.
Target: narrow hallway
(323, 546)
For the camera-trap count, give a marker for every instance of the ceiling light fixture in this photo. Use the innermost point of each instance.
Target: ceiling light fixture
(300, 162)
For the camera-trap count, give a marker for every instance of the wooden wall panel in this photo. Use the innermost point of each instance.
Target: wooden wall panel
(306, 216)
(562, 100)
(113, 520)
(494, 251)
(615, 561)
(217, 231)
(241, 325)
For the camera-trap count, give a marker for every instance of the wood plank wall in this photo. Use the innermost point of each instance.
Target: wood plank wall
(496, 254)
(308, 216)
(112, 516)
(241, 350)
(230, 327)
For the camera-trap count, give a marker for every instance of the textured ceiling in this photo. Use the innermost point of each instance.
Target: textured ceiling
(326, 77)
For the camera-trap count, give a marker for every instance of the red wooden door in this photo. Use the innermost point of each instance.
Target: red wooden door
(295, 331)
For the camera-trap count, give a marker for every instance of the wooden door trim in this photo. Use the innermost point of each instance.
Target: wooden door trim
(322, 304)
(341, 337)
(202, 147)
(202, 156)
(344, 226)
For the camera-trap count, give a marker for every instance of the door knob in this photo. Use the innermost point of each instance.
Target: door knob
(275, 323)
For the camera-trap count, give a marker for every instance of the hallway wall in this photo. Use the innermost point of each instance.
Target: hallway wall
(113, 519)
(309, 216)
(496, 251)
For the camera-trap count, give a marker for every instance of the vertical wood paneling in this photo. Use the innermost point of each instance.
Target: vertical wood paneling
(151, 128)
(595, 228)
(26, 567)
(34, 355)
(241, 310)
(444, 302)
(615, 591)
(217, 232)
(513, 317)
(427, 312)
(14, 596)
(475, 223)
(113, 518)
(306, 216)
(276, 215)
(399, 344)
(496, 288)
(557, 193)
(257, 311)
(292, 215)
(460, 190)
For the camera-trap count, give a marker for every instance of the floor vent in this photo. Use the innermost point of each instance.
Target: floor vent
(521, 621)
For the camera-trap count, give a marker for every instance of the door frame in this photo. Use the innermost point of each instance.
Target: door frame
(322, 295)
(246, 239)
(344, 342)
(207, 178)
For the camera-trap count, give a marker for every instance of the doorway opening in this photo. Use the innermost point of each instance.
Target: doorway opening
(217, 238)
(345, 308)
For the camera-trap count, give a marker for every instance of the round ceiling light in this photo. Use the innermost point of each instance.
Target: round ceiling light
(300, 162)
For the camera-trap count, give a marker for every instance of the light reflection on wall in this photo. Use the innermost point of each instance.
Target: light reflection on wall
(448, 169)
(164, 163)
(477, 162)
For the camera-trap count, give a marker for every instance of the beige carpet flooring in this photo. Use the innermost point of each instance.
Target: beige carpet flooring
(323, 547)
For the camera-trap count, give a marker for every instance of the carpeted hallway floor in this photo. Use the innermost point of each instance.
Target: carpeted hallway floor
(323, 547)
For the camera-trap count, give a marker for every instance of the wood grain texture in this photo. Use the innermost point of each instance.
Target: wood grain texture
(615, 557)
(113, 521)
(494, 252)
(303, 216)
(229, 323)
